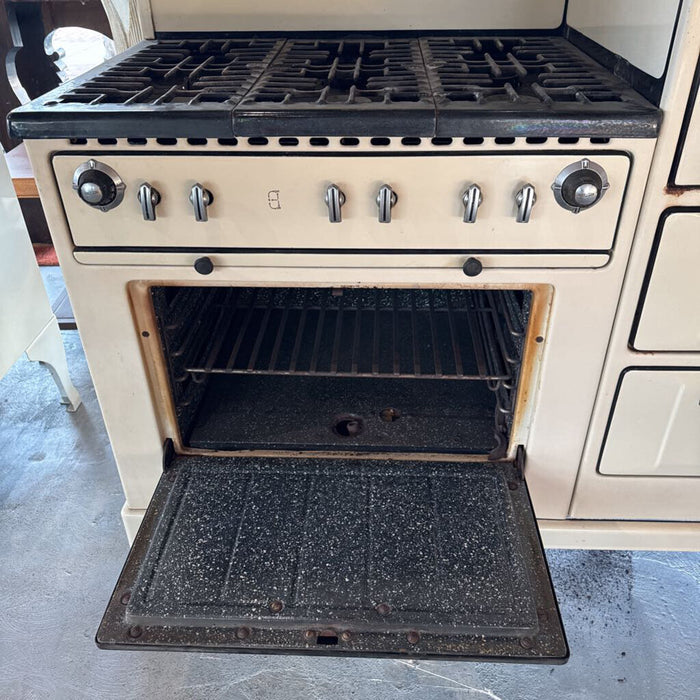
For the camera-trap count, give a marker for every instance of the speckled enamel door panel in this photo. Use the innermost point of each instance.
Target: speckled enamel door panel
(264, 202)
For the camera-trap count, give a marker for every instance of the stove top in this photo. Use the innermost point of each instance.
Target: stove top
(372, 86)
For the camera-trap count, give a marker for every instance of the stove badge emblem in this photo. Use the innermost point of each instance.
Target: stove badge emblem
(273, 199)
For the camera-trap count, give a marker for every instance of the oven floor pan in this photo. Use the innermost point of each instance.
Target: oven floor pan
(325, 413)
(338, 556)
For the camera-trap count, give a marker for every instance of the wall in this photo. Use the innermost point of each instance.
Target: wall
(376, 15)
(638, 30)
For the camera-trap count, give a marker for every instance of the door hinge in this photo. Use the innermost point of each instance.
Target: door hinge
(168, 454)
(520, 461)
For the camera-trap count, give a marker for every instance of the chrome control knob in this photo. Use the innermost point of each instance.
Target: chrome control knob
(334, 201)
(471, 199)
(148, 197)
(525, 200)
(580, 185)
(98, 185)
(200, 199)
(91, 192)
(386, 199)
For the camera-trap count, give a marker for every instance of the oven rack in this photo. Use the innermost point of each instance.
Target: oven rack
(432, 334)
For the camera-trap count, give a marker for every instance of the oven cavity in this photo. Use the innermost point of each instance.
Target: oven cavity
(402, 370)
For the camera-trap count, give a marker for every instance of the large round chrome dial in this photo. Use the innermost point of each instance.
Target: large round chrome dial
(98, 185)
(580, 185)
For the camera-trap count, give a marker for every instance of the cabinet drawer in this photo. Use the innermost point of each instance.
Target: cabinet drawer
(670, 313)
(654, 429)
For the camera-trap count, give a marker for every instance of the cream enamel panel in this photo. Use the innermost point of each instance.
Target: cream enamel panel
(307, 15)
(621, 497)
(670, 318)
(638, 30)
(655, 427)
(688, 172)
(278, 202)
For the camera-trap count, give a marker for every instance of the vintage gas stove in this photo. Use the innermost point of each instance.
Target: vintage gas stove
(349, 302)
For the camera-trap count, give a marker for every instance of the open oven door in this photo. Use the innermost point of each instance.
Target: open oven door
(339, 555)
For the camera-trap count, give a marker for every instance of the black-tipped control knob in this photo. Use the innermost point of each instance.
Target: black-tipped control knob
(98, 185)
(472, 267)
(204, 266)
(580, 185)
(96, 188)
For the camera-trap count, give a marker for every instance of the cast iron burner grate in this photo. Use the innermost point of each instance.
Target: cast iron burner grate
(344, 72)
(188, 71)
(543, 70)
(394, 85)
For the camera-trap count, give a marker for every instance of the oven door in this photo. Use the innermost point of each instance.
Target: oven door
(339, 554)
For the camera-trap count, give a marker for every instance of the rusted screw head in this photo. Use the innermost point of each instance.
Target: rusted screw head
(242, 632)
(276, 606)
(135, 632)
(383, 608)
(389, 415)
(309, 634)
(526, 643)
(413, 637)
(126, 597)
(513, 485)
(345, 636)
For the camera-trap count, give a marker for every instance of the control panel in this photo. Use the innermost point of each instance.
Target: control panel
(454, 202)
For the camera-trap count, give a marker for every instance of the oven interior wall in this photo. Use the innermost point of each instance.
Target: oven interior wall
(343, 369)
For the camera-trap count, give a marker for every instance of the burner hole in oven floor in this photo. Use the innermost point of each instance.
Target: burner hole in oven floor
(389, 415)
(348, 425)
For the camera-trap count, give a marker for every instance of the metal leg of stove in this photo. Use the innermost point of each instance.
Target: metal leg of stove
(47, 349)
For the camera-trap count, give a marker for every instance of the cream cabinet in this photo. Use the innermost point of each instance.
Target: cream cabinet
(670, 310)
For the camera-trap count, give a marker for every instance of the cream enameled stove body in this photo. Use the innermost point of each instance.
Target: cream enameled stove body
(268, 226)
(578, 282)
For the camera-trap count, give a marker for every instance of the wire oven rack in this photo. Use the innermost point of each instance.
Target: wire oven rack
(450, 334)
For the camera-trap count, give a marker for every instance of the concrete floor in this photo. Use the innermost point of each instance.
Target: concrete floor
(632, 618)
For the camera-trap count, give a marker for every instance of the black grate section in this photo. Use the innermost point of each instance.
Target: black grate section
(344, 72)
(541, 70)
(393, 85)
(179, 72)
(339, 87)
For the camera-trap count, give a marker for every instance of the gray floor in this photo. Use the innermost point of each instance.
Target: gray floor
(632, 618)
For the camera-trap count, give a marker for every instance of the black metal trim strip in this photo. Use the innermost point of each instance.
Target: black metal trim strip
(685, 127)
(613, 406)
(378, 152)
(647, 278)
(336, 251)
